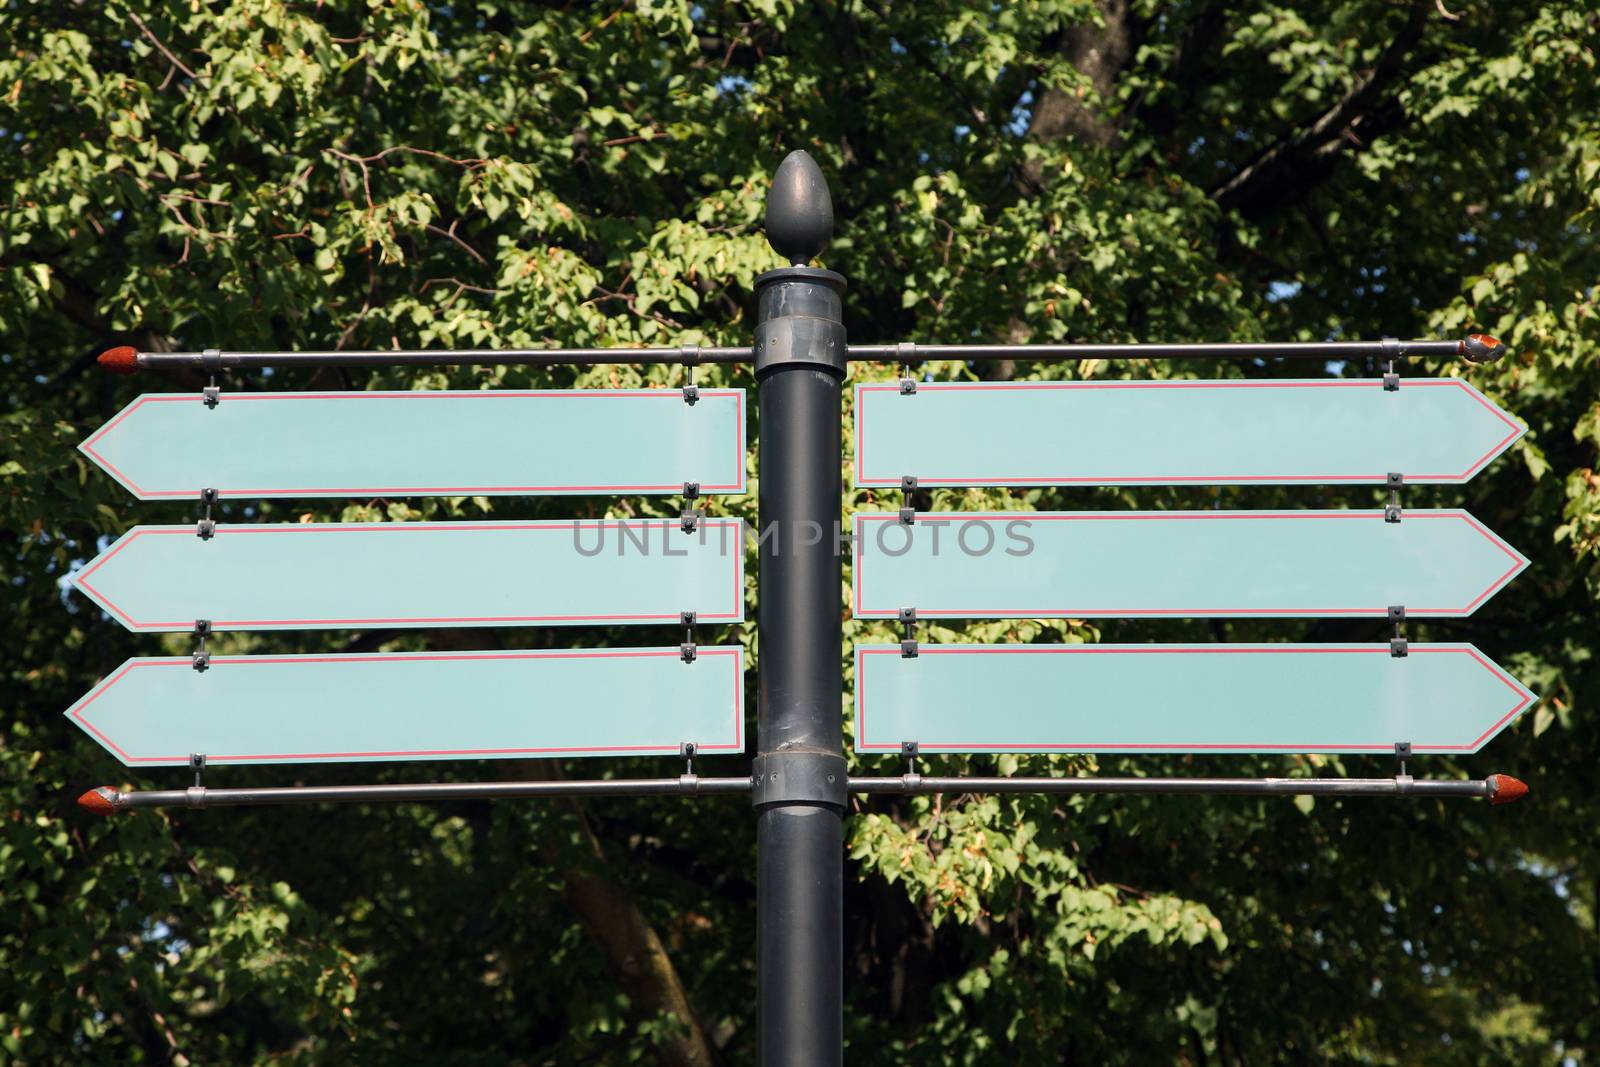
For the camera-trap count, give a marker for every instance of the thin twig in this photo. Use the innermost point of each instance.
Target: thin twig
(163, 49)
(652, 134)
(461, 287)
(451, 234)
(366, 175)
(470, 162)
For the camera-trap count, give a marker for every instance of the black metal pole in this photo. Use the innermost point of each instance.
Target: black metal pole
(799, 773)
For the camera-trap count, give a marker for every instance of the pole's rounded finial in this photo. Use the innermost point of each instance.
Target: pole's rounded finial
(799, 210)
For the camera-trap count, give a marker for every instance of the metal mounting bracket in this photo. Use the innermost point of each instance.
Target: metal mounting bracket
(206, 528)
(1402, 752)
(690, 517)
(1391, 354)
(691, 357)
(906, 352)
(908, 485)
(911, 750)
(908, 643)
(687, 650)
(1391, 511)
(201, 660)
(1398, 646)
(211, 360)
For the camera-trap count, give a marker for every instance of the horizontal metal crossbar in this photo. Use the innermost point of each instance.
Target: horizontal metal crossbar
(1477, 349)
(1497, 788)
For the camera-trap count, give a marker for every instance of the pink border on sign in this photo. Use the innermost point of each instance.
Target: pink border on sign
(735, 655)
(1110, 479)
(736, 486)
(1518, 562)
(1524, 700)
(81, 579)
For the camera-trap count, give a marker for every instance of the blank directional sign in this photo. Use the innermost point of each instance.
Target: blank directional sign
(1176, 432)
(321, 575)
(418, 706)
(357, 444)
(1088, 564)
(1176, 698)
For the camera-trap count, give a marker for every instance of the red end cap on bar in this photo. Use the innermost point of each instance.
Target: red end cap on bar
(124, 359)
(1482, 348)
(1503, 789)
(101, 801)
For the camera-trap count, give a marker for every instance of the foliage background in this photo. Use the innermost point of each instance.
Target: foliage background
(259, 174)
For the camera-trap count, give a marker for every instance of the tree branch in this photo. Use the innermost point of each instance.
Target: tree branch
(1281, 174)
(1099, 53)
(163, 49)
(612, 916)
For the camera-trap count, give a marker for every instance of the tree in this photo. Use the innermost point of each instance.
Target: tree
(255, 174)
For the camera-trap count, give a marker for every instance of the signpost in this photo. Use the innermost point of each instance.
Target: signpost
(571, 442)
(1181, 698)
(418, 706)
(1088, 564)
(407, 574)
(1321, 430)
(1355, 698)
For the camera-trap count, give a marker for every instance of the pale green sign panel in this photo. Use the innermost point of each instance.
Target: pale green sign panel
(296, 576)
(1087, 564)
(1181, 698)
(1176, 432)
(486, 443)
(418, 706)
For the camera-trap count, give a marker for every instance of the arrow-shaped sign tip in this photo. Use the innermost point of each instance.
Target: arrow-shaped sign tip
(101, 801)
(1504, 789)
(124, 359)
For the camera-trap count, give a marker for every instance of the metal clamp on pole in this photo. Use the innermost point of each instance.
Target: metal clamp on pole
(908, 485)
(201, 659)
(1402, 779)
(689, 518)
(907, 352)
(691, 357)
(1391, 353)
(206, 528)
(211, 360)
(1398, 647)
(686, 751)
(799, 776)
(908, 643)
(1391, 511)
(687, 649)
(195, 795)
(911, 750)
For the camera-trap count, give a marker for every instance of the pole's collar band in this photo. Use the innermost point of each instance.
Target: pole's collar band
(800, 339)
(799, 776)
